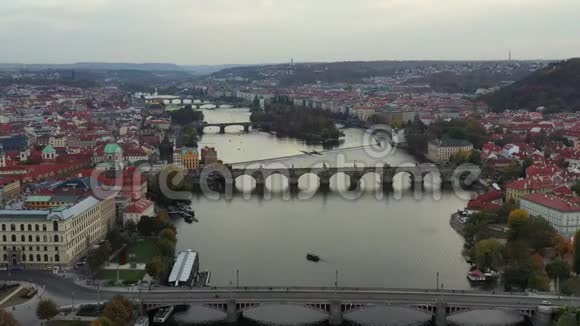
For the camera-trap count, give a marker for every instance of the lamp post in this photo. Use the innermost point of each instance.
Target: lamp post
(237, 278)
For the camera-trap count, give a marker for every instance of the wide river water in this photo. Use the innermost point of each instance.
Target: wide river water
(399, 240)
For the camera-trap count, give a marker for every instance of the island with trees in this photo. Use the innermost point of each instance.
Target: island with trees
(314, 126)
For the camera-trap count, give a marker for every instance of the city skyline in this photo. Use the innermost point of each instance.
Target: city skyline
(269, 31)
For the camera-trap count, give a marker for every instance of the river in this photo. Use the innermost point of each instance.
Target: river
(367, 240)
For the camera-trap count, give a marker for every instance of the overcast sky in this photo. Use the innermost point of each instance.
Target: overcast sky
(267, 31)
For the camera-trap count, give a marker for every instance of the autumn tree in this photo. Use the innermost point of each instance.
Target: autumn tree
(6, 318)
(46, 309)
(102, 321)
(561, 246)
(516, 219)
(119, 311)
(168, 234)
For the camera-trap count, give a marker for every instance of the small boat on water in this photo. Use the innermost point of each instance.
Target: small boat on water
(142, 321)
(163, 314)
(476, 276)
(312, 257)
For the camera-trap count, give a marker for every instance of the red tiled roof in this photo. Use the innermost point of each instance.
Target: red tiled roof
(542, 170)
(530, 184)
(139, 206)
(554, 202)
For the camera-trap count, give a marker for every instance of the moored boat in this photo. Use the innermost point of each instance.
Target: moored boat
(476, 276)
(163, 314)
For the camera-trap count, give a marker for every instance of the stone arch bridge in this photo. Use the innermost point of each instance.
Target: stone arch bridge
(455, 176)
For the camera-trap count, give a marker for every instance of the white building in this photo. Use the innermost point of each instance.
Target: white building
(55, 236)
(441, 150)
(562, 214)
(141, 207)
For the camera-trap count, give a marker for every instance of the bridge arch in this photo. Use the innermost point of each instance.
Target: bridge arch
(340, 181)
(277, 181)
(233, 128)
(495, 316)
(308, 181)
(371, 180)
(245, 183)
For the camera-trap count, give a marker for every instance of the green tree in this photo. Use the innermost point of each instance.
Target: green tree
(538, 233)
(516, 275)
(189, 137)
(256, 103)
(539, 281)
(576, 188)
(46, 309)
(571, 286)
(567, 319)
(527, 163)
(6, 318)
(166, 247)
(489, 254)
(156, 267)
(149, 225)
(119, 311)
(558, 269)
(97, 257)
(576, 265)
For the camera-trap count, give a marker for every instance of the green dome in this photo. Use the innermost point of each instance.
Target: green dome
(49, 149)
(113, 149)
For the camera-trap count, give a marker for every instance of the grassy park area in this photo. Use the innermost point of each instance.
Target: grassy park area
(143, 249)
(129, 276)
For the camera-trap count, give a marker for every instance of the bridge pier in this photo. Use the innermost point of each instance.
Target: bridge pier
(222, 129)
(416, 183)
(541, 318)
(293, 185)
(354, 182)
(232, 314)
(324, 185)
(335, 318)
(246, 128)
(440, 318)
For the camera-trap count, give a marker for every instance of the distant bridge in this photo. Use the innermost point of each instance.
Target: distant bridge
(468, 174)
(181, 100)
(224, 125)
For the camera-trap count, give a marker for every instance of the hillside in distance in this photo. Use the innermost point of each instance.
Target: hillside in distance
(441, 76)
(555, 87)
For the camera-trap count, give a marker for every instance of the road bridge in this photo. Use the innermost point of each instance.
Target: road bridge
(336, 302)
(333, 301)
